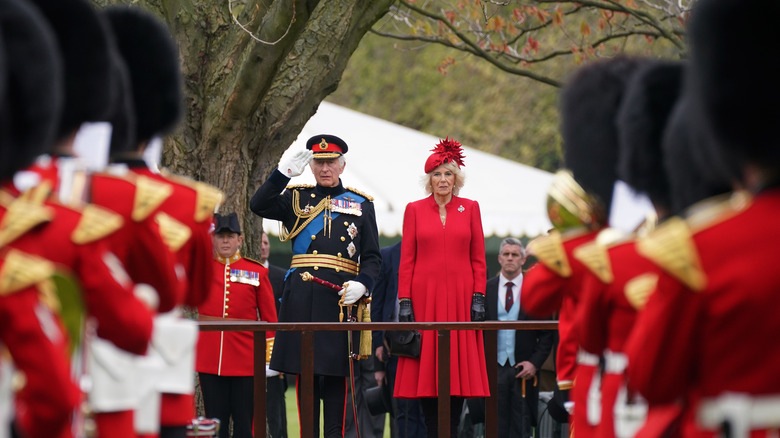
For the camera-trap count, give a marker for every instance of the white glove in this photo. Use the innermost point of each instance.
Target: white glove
(269, 372)
(295, 165)
(147, 295)
(352, 292)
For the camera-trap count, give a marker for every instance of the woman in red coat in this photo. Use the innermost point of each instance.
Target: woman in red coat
(442, 278)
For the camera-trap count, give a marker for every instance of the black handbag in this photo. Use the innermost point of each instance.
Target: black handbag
(404, 343)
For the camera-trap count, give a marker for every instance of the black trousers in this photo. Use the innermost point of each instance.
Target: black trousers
(430, 407)
(332, 390)
(226, 397)
(515, 416)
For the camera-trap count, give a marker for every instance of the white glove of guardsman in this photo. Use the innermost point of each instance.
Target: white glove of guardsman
(352, 292)
(296, 164)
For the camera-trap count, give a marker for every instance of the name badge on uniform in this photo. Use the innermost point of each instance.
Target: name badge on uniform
(346, 206)
(246, 277)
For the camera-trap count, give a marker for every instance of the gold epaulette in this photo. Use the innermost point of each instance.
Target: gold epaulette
(209, 199)
(95, 223)
(21, 216)
(299, 186)
(714, 210)
(174, 233)
(149, 194)
(671, 247)
(639, 289)
(595, 257)
(21, 270)
(354, 190)
(550, 252)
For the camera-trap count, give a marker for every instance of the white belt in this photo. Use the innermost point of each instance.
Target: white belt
(743, 413)
(585, 358)
(615, 363)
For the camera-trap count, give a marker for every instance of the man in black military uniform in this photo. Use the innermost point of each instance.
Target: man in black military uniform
(334, 237)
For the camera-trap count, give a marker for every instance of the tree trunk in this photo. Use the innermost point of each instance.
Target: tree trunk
(246, 101)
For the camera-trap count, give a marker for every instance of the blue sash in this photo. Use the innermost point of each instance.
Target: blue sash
(301, 245)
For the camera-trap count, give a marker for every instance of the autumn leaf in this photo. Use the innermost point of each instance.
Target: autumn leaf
(450, 16)
(631, 4)
(518, 16)
(584, 29)
(557, 17)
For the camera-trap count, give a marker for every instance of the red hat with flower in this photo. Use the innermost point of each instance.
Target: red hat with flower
(447, 150)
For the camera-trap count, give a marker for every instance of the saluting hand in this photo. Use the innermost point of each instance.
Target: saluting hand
(295, 165)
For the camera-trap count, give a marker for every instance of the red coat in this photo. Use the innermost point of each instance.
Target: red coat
(442, 266)
(138, 243)
(711, 327)
(33, 337)
(240, 290)
(608, 308)
(192, 204)
(554, 285)
(76, 241)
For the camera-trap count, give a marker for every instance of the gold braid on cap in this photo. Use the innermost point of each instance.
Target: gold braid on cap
(569, 205)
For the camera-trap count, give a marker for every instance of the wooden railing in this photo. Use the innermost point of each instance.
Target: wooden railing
(306, 378)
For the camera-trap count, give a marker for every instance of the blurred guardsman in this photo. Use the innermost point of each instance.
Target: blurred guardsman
(334, 237)
(578, 205)
(712, 319)
(612, 296)
(33, 345)
(225, 363)
(183, 209)
(77, 238)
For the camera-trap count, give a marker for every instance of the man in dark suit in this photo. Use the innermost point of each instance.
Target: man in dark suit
(276, 383)
(407, 415)
(520, 352)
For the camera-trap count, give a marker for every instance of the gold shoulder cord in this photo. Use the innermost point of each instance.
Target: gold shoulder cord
(308, 215)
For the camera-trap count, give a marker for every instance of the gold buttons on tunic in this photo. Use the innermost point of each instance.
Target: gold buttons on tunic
(314, 252)
(312, 195)
(343, 238)
(346, 224)
(313, 237)
(316, 268)
(338, 255)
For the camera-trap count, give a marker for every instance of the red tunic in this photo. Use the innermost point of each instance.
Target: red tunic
(711, 326)
(547, 291)
(76, 241)
(442, 266)
(607, 311)
(239, 291)
(34, 338)
(138, 243)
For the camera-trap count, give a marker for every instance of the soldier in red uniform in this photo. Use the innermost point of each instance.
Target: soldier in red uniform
(578, 205)
(707, 335)
(225, 360)
(622, 278)
(76, 239)
(185, 215)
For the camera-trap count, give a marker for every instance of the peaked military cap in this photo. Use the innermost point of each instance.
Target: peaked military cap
(326, 146)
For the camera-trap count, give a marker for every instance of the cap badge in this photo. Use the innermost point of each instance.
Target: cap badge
(323, 144)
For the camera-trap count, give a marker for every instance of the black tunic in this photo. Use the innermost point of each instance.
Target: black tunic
(308, 301)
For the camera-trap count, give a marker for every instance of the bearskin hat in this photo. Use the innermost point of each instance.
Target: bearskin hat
(33, 99)
(85, 46)
(152, 59)
(589, 105)
(689, 181)
(650, 97)
(736, 96)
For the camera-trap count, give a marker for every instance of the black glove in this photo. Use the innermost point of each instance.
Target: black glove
(478, 307)
(405, 313)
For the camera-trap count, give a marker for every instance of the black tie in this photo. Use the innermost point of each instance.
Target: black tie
(509, 296)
